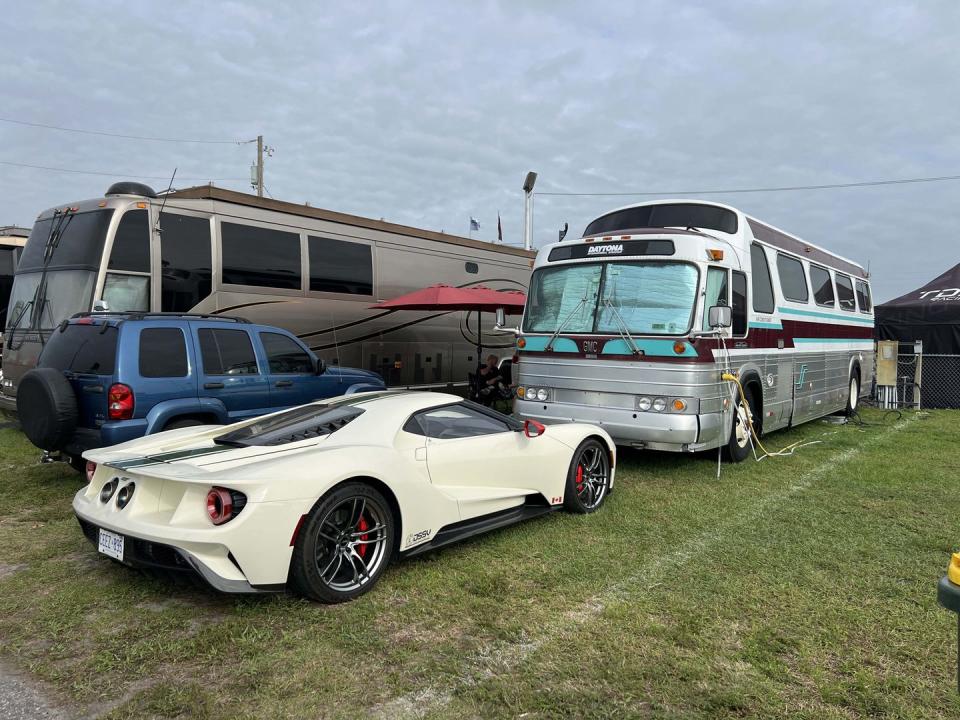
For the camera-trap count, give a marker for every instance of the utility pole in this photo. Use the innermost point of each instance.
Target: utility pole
(259, 165)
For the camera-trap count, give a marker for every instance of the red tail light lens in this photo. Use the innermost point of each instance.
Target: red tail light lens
(223, 505)
(120, 402)
(91, 469)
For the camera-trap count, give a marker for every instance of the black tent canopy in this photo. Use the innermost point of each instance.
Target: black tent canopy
(930, 313)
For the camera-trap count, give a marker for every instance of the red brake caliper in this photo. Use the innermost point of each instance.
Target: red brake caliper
(579, 478)
(361, 526)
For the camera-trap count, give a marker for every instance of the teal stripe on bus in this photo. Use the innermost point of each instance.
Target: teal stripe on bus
(651, 347)
(832, 316)
(766, 325)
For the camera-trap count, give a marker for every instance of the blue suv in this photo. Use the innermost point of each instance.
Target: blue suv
(105, 378)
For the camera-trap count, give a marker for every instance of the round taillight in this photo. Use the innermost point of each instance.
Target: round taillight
(219, 505)
(90, 470)
(125, 494)
(107, 491)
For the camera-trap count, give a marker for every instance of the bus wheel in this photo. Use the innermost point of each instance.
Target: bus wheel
(738, 447)
(853, 398)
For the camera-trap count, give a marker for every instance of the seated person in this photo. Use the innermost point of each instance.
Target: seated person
(491, 384)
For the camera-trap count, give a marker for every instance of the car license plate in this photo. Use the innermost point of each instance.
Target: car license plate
(110, 544)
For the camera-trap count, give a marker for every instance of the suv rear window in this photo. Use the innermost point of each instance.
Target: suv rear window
(87, 349)
(227, 352)
(163, 353)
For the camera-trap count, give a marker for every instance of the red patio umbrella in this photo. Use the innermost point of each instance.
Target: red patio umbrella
(478, 298)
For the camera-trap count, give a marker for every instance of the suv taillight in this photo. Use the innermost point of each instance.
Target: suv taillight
(120, 402)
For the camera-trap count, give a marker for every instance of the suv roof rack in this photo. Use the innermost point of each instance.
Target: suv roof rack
(137, 315)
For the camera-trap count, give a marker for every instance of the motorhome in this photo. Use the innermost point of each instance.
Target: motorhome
(214, 251)
(617, 329)
(12, 240)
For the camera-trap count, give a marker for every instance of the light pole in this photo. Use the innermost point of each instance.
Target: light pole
(528, 209)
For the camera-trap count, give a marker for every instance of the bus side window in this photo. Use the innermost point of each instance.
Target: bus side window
(185, 261)
(716, 292)
(127, 284)
(793, 281)
(863, 296)
(845, 293)
(738, 303)
(762, 284)
(822, 286)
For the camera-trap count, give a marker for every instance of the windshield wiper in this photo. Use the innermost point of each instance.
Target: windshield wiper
(549, 345)
(622, 328)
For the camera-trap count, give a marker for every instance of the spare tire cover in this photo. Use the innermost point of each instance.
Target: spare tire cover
(47, 407)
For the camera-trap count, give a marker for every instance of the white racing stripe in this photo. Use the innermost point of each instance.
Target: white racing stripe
(503, 658)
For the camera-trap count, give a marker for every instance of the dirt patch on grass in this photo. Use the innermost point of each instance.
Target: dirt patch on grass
(8, 570)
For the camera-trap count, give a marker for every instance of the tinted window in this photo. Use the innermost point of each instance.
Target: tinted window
(863, 296)
(184, 261)
(131, 244)
(7, 265)
(845, 293)
(7, 261)
(285, 356)
(793, 282)
(163, 353)
(340, 267)
(738, 303)
(822, 286)
(87, 349)
(762, 283)
(457, 421)
(261, 257)
(682, 215)
(76, 239)
(227, 352)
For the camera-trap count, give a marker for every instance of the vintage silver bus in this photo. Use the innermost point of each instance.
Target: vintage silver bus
(617, 329)
(210, 250)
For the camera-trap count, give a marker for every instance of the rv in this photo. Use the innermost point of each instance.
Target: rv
(12, 240)
(209, 250)
(664, 315)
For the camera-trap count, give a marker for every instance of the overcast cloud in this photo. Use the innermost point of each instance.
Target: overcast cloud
(427, 113)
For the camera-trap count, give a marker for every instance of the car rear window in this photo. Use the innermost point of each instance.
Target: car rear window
(163, 353)
(87, 349)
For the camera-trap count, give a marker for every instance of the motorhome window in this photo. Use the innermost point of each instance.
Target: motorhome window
(863, 296)
(131, 243)
(340, 267)
(163, 353)
(738, 303)
(260, 257)
(822, 286)
(716, 292)
(845, 293)
(77, 241)
(680, 215)
(85, 349)
(42, 301)
(185, 261)
(226, 352)
(126, 293)
(793, 281)
(7, 266)
(285, 357)
(614, 249)
(471, 267)
(762, 282)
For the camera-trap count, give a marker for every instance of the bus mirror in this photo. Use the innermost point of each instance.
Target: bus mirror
(101, 306)
(720, 317)
(501, 318)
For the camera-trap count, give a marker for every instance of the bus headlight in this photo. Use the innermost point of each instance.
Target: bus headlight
(543, 394)
(659, 404)
(643, 403)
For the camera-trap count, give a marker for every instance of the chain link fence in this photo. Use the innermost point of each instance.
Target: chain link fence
(924, 380)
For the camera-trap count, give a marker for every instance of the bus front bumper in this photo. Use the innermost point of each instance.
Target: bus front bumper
(651, 430)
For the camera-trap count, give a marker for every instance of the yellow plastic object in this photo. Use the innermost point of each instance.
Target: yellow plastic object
(953, 572)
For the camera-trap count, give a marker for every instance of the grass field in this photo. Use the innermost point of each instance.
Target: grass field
(799, 587)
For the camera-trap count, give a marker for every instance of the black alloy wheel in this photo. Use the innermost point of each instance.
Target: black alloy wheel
(588, 479)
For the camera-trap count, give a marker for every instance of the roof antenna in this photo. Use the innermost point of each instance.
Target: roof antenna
(164, 203)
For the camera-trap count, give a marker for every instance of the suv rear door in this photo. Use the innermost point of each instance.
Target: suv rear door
(86, 352)
(161, 363)
(230, 372)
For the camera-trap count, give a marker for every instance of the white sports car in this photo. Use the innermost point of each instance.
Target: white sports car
(321, 497)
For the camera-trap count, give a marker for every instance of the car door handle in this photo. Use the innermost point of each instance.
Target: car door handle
(212, 386)
(93, 388)
(284, 383)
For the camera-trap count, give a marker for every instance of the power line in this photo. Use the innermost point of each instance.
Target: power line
(832, 186)
(127, 137)
(109, 174)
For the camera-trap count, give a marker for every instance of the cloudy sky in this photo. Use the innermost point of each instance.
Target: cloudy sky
(427, 113)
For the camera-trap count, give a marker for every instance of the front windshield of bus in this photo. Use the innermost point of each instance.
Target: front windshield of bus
(643, 298)
(67, 292)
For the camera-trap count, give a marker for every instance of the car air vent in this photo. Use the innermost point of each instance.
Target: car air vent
(302, 423)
